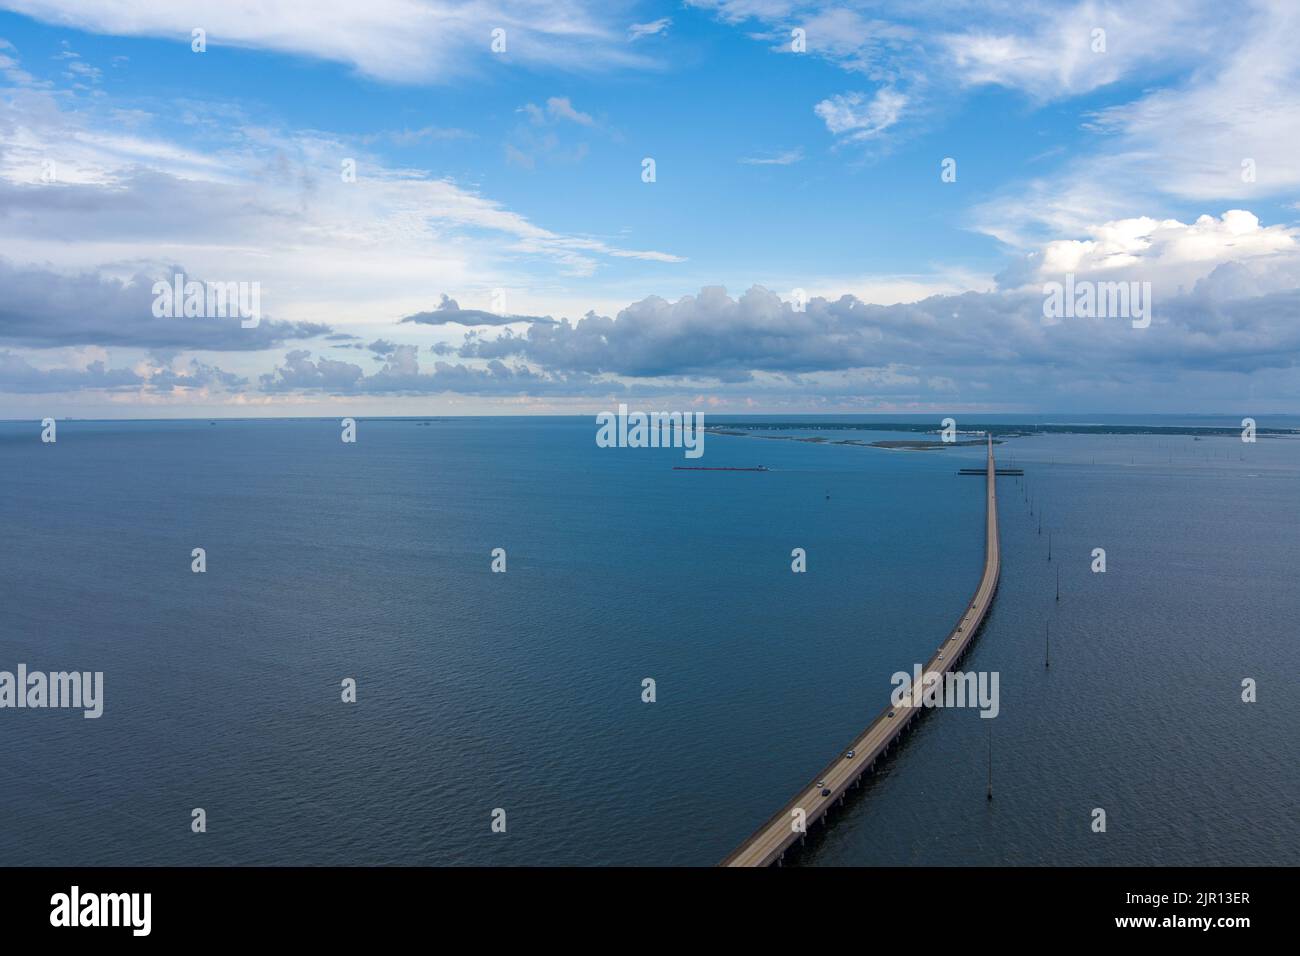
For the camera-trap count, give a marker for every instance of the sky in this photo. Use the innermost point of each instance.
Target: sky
(758, 206)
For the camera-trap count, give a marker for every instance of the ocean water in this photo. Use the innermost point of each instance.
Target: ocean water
(522, 691)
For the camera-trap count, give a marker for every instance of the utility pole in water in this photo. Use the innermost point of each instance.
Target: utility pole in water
(990, 796)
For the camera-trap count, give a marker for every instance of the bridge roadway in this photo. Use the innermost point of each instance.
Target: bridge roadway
(769, 842)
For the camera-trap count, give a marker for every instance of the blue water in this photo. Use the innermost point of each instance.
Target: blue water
(522, 690)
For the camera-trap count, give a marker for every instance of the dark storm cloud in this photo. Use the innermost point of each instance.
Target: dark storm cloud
(728, 340)
(18, 375)
(757, 341)
(44, 309)
(449, 312)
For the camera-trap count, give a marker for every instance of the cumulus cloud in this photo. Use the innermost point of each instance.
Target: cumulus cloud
(402, 360)
(1232, 314)
(1173, 254)
(982, 347)
(300, 372)
(179, 375)
(726, 340)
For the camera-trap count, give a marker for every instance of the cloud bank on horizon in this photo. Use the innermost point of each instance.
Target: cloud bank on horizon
(509, 207)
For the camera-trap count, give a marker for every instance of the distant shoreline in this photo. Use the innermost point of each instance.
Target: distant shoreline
(896, 444)
(747, 430)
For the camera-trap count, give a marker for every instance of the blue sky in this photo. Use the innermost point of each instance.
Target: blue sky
(511, 183)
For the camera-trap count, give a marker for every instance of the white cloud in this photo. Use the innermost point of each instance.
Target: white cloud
(1190, 141)
(855, 117)
(1054, 51)
(557, 108)
(560, 108)
(654, 28)
(786, 158)
(1149, 242)
(923, 53)
(1173, 255)
(903, 289)
(1185, 143)
(881, 49)
(737, 11)
(394, 40)
(1044, 49)
(81, 71)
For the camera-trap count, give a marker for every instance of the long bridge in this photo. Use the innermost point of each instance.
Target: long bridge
(767, 845)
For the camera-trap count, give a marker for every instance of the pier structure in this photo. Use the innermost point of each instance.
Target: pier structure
(767, 845)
